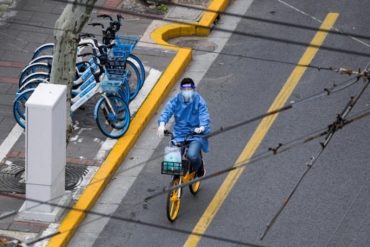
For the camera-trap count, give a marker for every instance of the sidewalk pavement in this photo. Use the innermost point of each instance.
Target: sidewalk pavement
(30, 25)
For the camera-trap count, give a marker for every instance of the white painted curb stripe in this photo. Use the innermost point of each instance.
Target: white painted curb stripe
(10, 140)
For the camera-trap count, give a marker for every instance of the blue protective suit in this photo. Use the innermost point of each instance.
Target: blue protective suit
(188, 116)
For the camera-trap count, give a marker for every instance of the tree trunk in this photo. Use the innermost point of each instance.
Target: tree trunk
(67, 29)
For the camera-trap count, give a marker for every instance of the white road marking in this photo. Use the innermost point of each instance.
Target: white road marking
(146, 41)
(10, 140)
(104, 148)
(150, 81)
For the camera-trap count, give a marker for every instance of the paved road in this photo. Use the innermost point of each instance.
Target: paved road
(331, 206)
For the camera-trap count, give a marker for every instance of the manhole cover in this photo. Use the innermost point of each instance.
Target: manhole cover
(12, 177)
(6, 241)
(74, 175)
(199, 45)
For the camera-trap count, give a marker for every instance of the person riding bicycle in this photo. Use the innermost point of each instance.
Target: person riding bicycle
(191, 116)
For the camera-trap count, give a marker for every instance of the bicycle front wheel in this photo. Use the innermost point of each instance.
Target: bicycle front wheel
(112, 116)
(134, 79)
(125, 91)
(173, 201)
(138, 65)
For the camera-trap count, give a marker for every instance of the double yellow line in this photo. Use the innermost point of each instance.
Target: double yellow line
(261, 131)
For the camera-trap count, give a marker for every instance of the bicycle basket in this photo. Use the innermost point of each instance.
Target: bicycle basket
(125, 45)
(121, 51)
(172, 163)
(111, 86)
(172, 168)
(128, 40)
(115, 69)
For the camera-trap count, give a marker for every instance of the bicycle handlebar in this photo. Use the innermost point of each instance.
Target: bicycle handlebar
(88, 35)
(119, 17)
(169, 133)
(105, 16)
(94, 24)
(109, 33)
(107, 46)
(86, 54)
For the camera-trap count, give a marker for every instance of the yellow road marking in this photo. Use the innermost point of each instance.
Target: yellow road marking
(261, 131)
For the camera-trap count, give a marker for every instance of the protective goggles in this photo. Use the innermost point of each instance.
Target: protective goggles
(187, 86)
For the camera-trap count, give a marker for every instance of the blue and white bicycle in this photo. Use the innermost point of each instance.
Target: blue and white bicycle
(119, 47)
(122, 48)
(111, 112)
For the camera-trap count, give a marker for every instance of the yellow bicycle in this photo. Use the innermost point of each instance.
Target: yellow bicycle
(177, 165)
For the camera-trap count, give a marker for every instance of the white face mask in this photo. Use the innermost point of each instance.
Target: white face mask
(188, 95)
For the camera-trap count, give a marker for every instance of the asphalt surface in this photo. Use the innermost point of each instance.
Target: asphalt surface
(331, 206)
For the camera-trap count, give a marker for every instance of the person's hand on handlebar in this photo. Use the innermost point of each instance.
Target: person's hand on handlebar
(199, 130)
(161, 129)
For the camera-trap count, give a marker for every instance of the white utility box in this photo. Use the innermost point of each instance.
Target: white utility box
(45, 153)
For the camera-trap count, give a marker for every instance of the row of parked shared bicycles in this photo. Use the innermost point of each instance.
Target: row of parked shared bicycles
(107, 69)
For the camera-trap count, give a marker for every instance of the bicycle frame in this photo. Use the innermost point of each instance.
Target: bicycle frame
(89, 71)
(88, 89)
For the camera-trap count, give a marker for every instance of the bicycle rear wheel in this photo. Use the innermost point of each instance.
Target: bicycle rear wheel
(37, 75)
(173, 201)
(32, 84)
(43, 59)
(19, 106)
(45, 49)
(34, 68)
(112, 116)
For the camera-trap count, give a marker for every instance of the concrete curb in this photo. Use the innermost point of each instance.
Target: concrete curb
(168, 79)
(201, 28)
